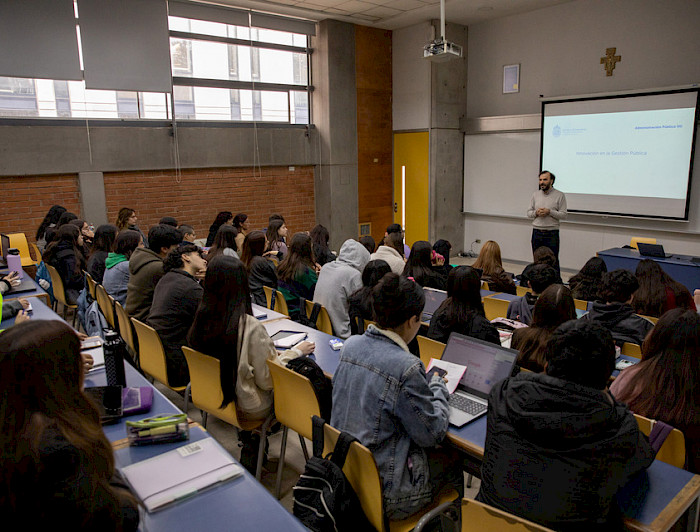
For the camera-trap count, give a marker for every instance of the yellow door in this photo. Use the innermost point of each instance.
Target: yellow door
(411, 183)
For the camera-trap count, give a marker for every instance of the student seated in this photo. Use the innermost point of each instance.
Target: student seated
(168, 220)
(224, 243)
(462, 311)
(188, 233)
(614, 310)
(541, 276)
(175, 301)
(276, 235)
(658, 292)
(102, 245)
(443, 248)
(57, 465)
(397, 229)
(382, 396)
(126, 219)
(242, 225)
(664, 385)
(585, 285)
(49, 222)
(223, 218)
(224, 328)
(553, 307)
(338, 280)
(542, 255)
(12, 308)
(320, 236)
(391, 251)
(297, 274)
(64, 254)
(116, 276)
(261, 271)
(423, 268)
(146, 269)
(360, 302)
(490, 263)
(558, 445)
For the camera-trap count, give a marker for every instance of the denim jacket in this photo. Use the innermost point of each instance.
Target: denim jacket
(382, 397)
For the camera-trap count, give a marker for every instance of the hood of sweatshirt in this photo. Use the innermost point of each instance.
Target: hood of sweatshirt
(141, 257)
(352, 254)
(113, 259)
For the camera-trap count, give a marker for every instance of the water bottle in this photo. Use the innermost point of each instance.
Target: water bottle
(14, 262)
(114, 359)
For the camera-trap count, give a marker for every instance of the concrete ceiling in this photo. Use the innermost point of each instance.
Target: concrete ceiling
(394, 14)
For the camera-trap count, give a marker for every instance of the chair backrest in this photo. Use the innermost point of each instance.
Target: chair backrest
(522, 290)
(580, 304)
(151, 352)
(632, 350)
(92, 285)
(295, 399)
(105, 304)
(323, 321)
(477, 516)
(672, 450)
(126, 329)
(37, 253)
(19, 241)
(429, 348)
(650, 318)
(485, 285)
(362, 473)
(644, 240)
(57, 285)
(205, 388)
(280, 302)
(495, 308)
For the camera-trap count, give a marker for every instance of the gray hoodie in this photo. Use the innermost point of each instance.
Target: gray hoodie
(338, 280)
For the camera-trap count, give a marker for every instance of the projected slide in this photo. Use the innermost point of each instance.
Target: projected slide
(627, 155)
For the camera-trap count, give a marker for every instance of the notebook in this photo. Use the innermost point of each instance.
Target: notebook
(487, 364)
(433, 300)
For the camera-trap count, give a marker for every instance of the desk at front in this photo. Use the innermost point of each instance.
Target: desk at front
(655, 504)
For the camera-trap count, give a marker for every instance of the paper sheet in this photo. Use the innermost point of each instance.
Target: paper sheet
(454, 372)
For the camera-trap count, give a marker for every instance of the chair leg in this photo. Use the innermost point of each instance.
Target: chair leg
(204, 419)
(261, 449)
(469, 480)
(280, 466)
(187, 397)
(302, 441)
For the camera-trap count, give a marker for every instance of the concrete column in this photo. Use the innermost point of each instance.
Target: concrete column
(335, 117)
(93, 204)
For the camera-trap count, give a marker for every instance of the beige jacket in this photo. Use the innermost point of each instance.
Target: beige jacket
(391, 256)
(254, 384)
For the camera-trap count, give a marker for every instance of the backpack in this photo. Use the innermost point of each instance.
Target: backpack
(321, 384)
(42, 273)
(324, 500)
(95, 322)
(309, 321)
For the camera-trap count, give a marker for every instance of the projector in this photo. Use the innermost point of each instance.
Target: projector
(440, 51)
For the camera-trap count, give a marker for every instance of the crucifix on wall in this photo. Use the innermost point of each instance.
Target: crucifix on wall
(609, 60)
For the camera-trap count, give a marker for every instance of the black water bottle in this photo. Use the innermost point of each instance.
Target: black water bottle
(114, 359)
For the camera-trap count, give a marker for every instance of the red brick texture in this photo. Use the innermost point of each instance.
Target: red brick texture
(198, 195)
(25, 200)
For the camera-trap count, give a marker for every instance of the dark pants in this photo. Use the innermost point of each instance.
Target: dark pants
(548, 239)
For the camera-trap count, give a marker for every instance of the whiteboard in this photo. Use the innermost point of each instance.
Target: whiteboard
(500, 172)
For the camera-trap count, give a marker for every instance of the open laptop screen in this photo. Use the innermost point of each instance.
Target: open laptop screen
(5, 242)
(486, 363)
(433, 300)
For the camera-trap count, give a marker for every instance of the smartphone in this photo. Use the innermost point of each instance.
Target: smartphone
(437, 370)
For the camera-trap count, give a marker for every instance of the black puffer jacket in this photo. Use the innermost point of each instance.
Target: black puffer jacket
(476, 327)
(621, 321)
(557, 453)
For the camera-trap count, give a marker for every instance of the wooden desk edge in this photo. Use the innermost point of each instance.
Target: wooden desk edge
(464, 445)
(683, 500)
(20, 296)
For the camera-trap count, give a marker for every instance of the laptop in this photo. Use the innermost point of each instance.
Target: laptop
(652, 250)
(433, 300)
(4, 247)
(487, 364)
(26, 284)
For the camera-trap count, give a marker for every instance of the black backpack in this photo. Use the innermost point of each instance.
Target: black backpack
(324, 500)
(323, 387)
(309, 321)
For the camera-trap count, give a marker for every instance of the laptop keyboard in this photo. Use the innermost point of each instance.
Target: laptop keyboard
(460, 402)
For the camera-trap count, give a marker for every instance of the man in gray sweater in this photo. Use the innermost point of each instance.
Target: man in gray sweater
(547, 208)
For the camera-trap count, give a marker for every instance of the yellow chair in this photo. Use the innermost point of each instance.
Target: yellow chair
(280, 302)
(126, 329)
(152, 357)
(480, 517)
(580, 304)
(651, 319)
(105, 303)
(19, 241)
(522, 290)
(495, 308)
(632, 350)
(485, 285)
(429, 348)
(323, 321)
(37, 253)
(59, 293)
(637, 239)
(673, 449)
(295, 404)
(92, 285)
(205, 389)
(362, 473)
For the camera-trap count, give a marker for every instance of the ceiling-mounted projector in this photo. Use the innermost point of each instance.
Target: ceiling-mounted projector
(440, 51)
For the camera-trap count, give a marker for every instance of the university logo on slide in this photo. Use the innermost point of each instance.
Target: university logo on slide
(556, 131)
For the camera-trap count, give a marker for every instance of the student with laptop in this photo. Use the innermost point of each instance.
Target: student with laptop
(10, 309)
(462, 311)
(360, 303)
(383, 397)
(558, 445)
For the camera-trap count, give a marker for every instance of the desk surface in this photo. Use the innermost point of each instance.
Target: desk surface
(40, 311)
(271, 314)
(37, 292)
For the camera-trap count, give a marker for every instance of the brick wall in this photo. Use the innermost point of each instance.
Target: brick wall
(201, 193)
(25, 200)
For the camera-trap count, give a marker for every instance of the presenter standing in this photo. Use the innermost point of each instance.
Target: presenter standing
(547, 208)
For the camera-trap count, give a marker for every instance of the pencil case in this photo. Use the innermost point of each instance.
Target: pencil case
(163, 428)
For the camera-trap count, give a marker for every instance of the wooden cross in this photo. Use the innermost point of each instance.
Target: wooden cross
(609, 60)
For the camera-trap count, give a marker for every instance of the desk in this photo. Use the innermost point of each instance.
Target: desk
(271, 314)
(37, 292)
(40, 311)
(679, 267)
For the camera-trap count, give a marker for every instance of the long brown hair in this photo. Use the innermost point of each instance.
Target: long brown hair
(489, 259)
(665, 383)
(650, 298)
(253, 246)
(300, 255)
(41, 378)
(123, 218)
(225, 238)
